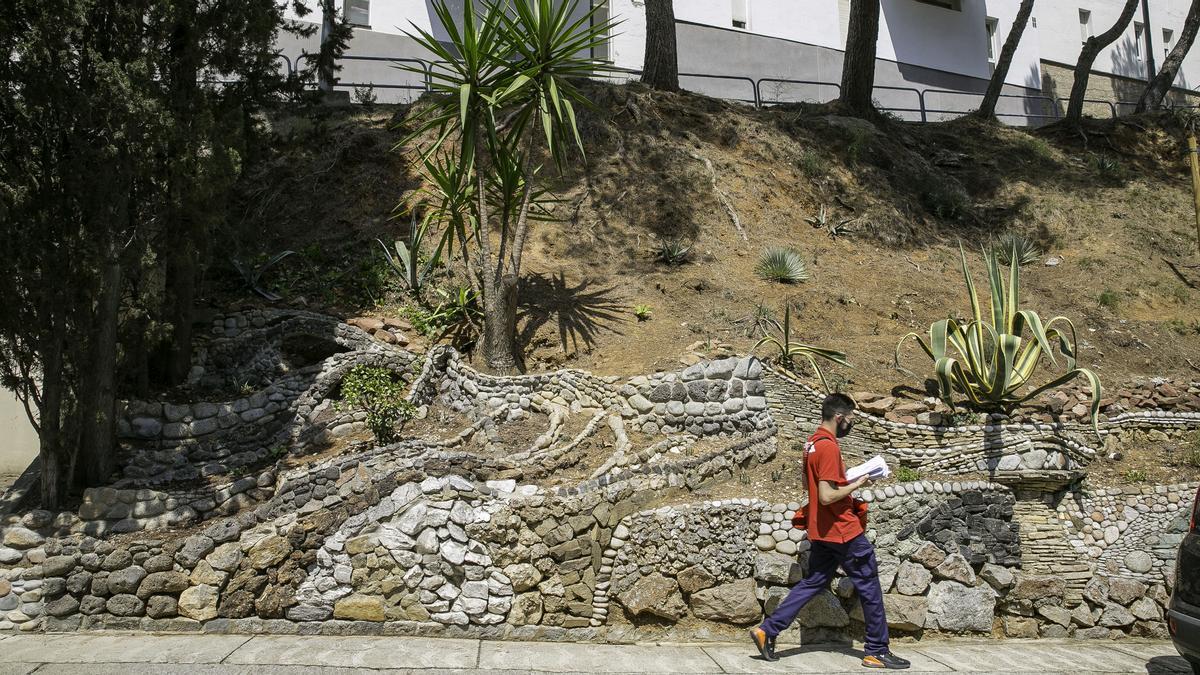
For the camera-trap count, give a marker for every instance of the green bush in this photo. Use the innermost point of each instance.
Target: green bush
(907, 474)
(378, 393)
(782, 264)
(672, 251)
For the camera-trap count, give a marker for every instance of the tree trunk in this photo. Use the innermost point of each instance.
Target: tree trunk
(98, 407)
(661, 67)
(987, 108)
(325, 67)
(1087, 57)
(1160, 84)
(500, 325)
(50, 436)
(858, 66)
(182, 266)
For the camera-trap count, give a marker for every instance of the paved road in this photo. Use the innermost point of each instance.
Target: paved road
(94, 653)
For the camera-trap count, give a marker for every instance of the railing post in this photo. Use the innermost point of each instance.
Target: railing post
(921, 103)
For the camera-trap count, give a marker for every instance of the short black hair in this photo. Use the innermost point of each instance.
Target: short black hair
(836, 404)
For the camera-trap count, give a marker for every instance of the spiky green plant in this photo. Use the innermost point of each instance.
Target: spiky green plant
(1012, 246)
(789, 350)
(672, 251)
(406, 261)
(782, 264)
(990, 362)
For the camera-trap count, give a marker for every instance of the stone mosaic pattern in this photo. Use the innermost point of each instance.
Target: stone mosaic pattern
(451, 537)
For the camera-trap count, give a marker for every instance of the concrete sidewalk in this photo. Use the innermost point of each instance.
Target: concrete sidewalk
(92, 653)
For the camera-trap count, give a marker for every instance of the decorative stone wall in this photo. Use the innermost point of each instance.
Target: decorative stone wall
(469, 534)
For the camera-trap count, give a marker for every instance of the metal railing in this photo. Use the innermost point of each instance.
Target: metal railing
(758, 99)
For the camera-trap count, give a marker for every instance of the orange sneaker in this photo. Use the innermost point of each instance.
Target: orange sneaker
(886, 660)
(764, 643)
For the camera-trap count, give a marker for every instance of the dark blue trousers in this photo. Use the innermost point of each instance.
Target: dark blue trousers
(857, 558)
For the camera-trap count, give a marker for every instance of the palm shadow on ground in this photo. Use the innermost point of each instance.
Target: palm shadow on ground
(581, 310)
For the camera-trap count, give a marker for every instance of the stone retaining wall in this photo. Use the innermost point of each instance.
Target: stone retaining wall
(456, 535)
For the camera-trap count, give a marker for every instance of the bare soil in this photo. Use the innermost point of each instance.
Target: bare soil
(1112, 208)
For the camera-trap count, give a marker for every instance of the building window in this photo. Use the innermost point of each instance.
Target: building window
(601, 51)
(741, 14)
(1085, 25)
(1168, 37)
(993, 35)
(358, 12)
(1139, 35)
(955, 5)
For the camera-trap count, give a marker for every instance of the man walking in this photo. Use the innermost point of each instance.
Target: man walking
(837, 538)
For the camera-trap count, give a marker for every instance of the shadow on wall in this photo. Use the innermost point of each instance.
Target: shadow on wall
(1129, 76)
(18, 442)
(1048, 107)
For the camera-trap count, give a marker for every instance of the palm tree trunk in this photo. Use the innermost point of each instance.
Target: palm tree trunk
(1160, 84)
(858, 66)
(987, 108)
(661, 67)
(1087, 57)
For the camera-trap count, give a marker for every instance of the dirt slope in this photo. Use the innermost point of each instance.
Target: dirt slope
(1114, 211)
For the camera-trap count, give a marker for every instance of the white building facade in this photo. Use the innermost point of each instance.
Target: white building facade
(934, 56)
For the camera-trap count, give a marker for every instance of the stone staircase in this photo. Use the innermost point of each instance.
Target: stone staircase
(1045, 549)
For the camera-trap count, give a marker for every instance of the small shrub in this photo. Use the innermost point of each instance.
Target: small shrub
(962, 418)
(1192, 458)
(419, 318)
(811, 164)
(1105, 166)
(1135, 476)
(643, 312)
(946, 201)
(782, 264)
(365, 95)
(906, 474)
(1014, 245)
(1109, 300)
(378, 393)
(672, 252)
(1183, 328)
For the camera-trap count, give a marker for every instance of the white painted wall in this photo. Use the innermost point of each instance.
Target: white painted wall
(18, 442)
(1058, 23)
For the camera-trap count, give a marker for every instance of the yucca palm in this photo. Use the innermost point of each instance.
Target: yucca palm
(504, 90)
(990, 362)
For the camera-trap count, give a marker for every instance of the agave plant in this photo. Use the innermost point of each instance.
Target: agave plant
(406, 261)
(990, 362)
(782, 264)
(788, 350)
(1010, 247)
(252, 273)
(672, 251)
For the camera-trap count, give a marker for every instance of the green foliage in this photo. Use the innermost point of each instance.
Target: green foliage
(505, 91)
(789, 349)
(407, 260)
(126, 126)
(1105, 166)
(457, 315)
(672, 251)
(642, 312)
(990, 361)
(1012, 246)
(946, 200)
(251, 273)
(781, 264)
(906, 474)
(811, 164)
(365, 96)
(1183, 328)
(1135, 476)
(1192, 458)
(380, 394)
(1109, 300)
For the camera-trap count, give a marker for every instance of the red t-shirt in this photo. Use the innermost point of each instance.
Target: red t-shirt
(837, 522)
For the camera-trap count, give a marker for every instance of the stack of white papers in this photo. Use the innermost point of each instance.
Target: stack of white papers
(875, 467)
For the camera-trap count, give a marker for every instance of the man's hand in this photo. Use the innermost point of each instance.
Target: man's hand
(828, 493)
